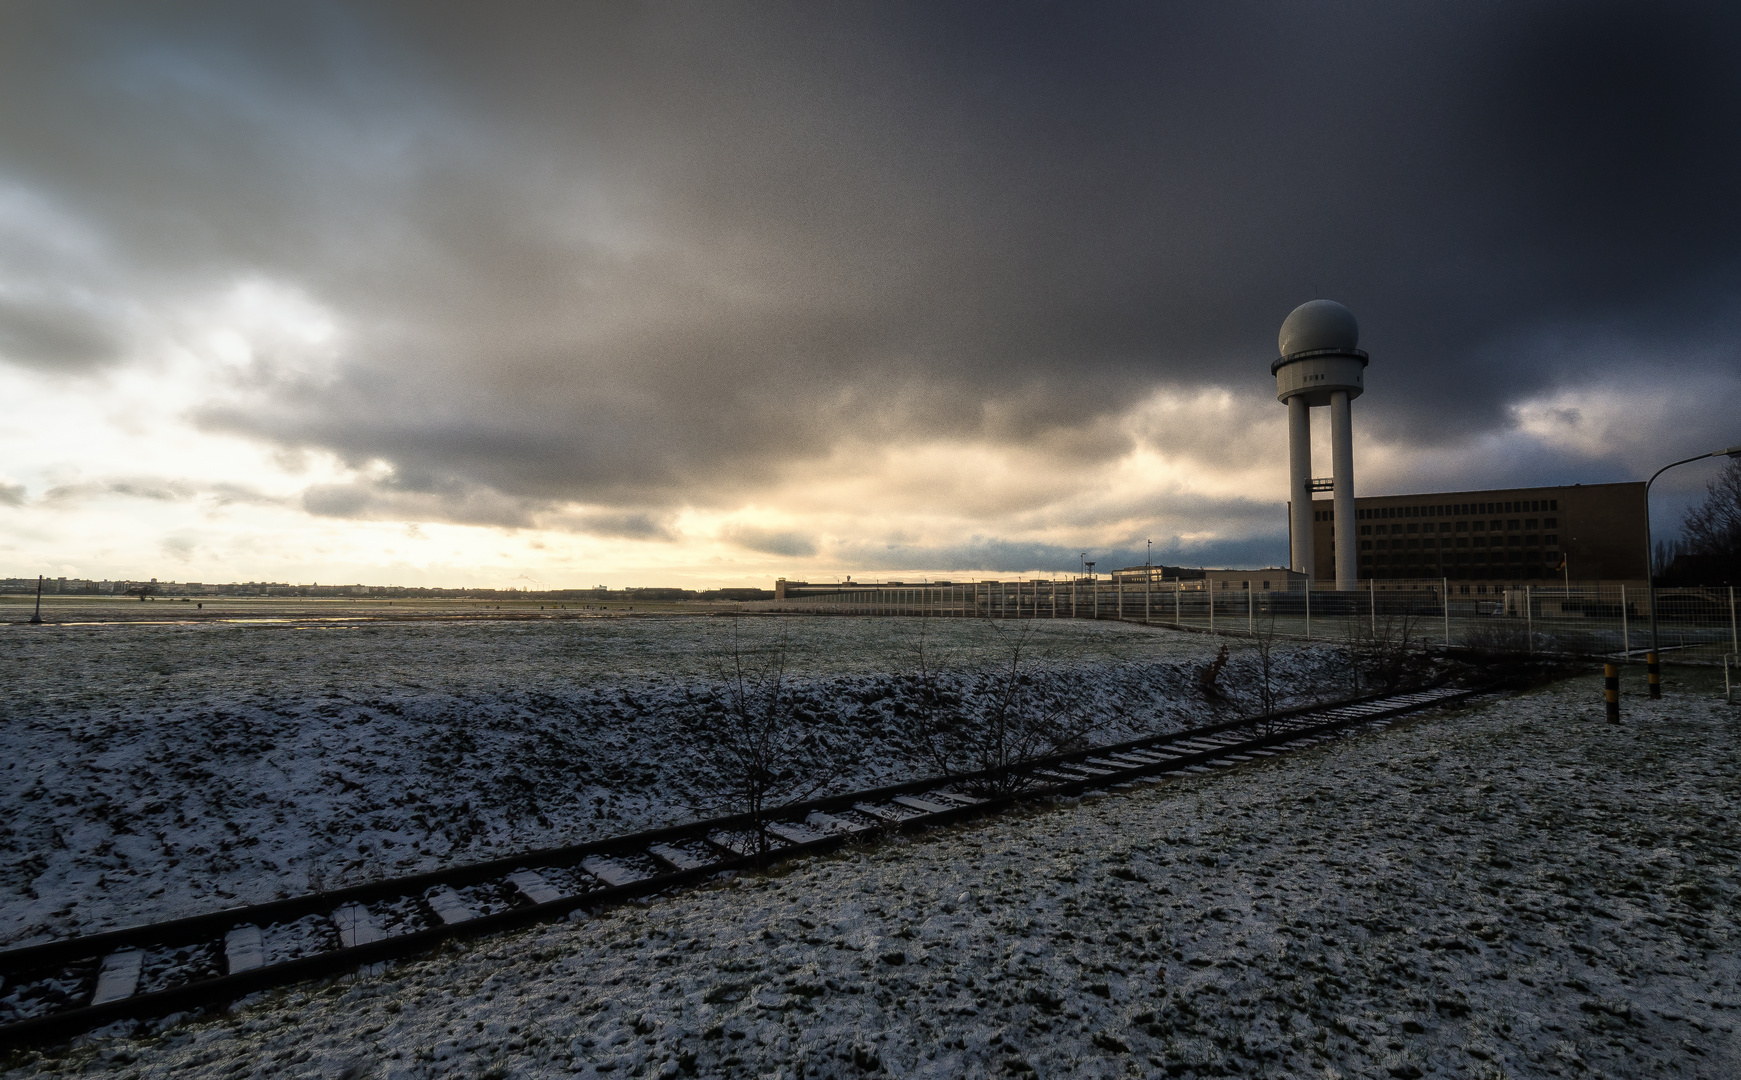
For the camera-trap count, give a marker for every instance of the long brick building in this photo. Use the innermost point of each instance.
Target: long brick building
(1514, 534)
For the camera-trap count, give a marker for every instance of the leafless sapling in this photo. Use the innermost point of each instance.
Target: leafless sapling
(1263, 644)
(982, 720)
(758, 749)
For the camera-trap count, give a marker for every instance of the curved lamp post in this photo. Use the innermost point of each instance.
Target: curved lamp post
(1651, 660)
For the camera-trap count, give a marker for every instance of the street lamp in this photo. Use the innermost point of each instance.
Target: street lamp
(1148, 579)
(1651, 661)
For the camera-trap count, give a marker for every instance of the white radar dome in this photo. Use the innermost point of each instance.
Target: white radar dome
(1318, 324)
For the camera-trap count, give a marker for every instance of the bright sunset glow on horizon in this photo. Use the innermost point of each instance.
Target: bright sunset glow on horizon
(704, 297)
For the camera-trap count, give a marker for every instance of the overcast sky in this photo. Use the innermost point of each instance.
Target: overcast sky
(563, 294)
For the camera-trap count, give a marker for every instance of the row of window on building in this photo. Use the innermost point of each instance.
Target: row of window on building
(1493, 525)
(1518, 506)
(1460, 571)
(1445, 510)
(1516, 540)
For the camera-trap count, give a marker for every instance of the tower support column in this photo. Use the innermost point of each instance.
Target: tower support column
(1300, 485)
(1342, 470)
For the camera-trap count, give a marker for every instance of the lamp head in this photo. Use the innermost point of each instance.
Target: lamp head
(1733, 451)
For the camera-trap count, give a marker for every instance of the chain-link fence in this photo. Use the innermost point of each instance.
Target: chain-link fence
(1591, 618)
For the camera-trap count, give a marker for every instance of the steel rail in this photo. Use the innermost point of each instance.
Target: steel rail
(882, 812)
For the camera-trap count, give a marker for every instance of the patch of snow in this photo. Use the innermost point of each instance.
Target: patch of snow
(1516, 889)
(156, 771)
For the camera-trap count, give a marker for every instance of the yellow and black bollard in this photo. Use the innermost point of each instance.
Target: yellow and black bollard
(1653, 671)
(1611, 691)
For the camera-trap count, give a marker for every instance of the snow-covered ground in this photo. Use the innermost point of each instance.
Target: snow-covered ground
(154, 771)
(1517, 889)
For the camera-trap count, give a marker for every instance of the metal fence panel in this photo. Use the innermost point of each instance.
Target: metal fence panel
(1696, 625)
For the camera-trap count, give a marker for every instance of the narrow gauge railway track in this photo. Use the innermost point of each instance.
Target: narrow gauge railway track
(60, 988)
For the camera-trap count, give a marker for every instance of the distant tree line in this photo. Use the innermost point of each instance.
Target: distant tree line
(52, 586)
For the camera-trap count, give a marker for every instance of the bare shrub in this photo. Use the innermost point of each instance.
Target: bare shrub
(758, 750)
(981, 716)
(1497, 636)
(1386, 645)
(1398, 654)
(1263, 644)
(1356, 642)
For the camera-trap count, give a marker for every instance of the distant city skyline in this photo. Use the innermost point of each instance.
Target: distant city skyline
(700, 295)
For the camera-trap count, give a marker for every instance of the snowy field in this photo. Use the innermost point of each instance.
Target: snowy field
(1517, 889)
(155, 771)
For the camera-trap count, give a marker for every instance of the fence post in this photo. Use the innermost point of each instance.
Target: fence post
(1445, 602)
(1529, 620)
(1625, 627)
(1211, 590)
(1308, 609)
(1149, 586)
(1611, 691)
(1734, 638)
(1372, 603)
(1250, 609)
(1178, 587)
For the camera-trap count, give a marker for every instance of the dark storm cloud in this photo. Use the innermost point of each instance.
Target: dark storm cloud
(461, 504)
(1242, 530)
(773, 541)
(627, 526)
(645, 256)
(153, 488)
(394, 499)
(1008, 557)
(54, 337)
